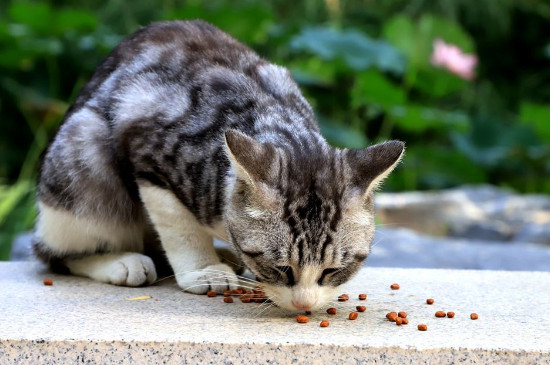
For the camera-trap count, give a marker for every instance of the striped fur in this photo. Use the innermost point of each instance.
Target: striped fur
(185, 130)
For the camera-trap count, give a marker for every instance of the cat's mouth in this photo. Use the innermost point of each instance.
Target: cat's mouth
(299, 298)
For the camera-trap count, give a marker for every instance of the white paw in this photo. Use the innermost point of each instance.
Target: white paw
(217, 278)
(132, 269)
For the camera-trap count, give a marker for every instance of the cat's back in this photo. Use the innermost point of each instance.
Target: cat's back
(184, 43)
(175, 51)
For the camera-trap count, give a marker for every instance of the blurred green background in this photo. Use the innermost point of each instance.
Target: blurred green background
(364, 65)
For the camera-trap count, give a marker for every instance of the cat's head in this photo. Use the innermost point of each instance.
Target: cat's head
(302, 218)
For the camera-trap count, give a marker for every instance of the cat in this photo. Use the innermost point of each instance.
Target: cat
(185, 134)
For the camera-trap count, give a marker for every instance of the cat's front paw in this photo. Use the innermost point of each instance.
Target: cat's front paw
(131, 269)
(218, 278)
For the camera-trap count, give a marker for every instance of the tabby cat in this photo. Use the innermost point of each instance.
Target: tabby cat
(185, 134)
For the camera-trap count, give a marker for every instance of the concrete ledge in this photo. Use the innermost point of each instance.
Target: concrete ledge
(78, 320)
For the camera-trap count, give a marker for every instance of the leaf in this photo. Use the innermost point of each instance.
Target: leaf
(432, 27)
(372, 87)
(537, 116)
(37, 16)
(141, 297)
(355, 49)
(416, 118)
(11, 196)
(401, 32)
(312, 70)
(74, 20)
(247, 21)
(436, 167)
(341, 135)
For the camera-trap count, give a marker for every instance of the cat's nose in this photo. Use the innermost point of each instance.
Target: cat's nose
(304, 298)
(301, 305)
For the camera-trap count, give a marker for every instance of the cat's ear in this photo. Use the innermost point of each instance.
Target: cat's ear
(252, 161)
(371, 165)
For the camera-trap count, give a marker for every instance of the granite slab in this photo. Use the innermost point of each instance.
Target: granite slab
(77, 320)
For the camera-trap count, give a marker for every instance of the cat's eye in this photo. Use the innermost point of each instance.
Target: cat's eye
(287, 270)
(325, 273)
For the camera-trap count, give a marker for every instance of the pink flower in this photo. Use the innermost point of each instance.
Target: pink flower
(453, 59)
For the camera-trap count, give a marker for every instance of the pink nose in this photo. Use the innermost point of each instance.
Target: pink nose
(301, 306)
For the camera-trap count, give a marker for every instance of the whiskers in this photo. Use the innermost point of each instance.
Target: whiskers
(210, 278)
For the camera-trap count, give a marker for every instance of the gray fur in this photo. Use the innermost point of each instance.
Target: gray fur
(186, 107)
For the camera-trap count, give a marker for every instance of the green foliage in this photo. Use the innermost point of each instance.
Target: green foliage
(356, 50)
(364, 66)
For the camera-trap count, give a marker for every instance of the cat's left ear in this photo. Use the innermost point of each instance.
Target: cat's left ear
(252, 161)
(370, 166)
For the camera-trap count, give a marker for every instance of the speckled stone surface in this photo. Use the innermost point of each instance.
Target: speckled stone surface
(78, 320)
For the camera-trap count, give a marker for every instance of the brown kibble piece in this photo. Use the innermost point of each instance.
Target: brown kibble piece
(259, 300)
(227, 293)
(353, 315)
(430, 301)
(440, 314)
(422, 327)
(394, 286)
(474, 316)
(325, 323)
(48, 282)
(405, 321)
(362, 296)
(361, 308)
(399, 321)
(332, 311)
(228, 300)
(402, 314)
(211, 294)
(392, 316)
(301, 318)
(450, 314)
(343, 298)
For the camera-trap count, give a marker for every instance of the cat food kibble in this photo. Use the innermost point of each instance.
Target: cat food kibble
(353, 315)
(246, 299)
(362, 296)
(48, 282)
(405, 321)
(474, 316)
(228, 300)
(211, 294)
(402, 314)
(343, 298)
(430, 301)
(450, 314)
(394, 286)
(399, 321)
(227, 293)
(361, 308)
(392, 316)
(331, 311)
(422, 327)
(324, 323)
(440, 314)
(301, 318)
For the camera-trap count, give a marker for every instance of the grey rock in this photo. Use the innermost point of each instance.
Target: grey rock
(406, 248)
(534, 233)
(21, 248)
(473, 212)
